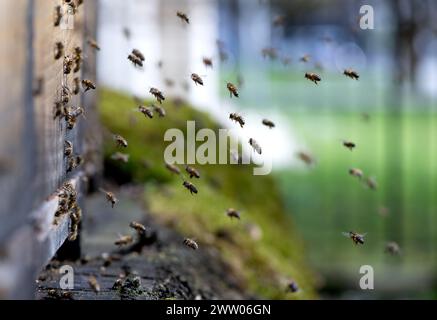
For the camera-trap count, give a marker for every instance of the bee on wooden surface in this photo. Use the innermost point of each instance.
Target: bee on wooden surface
(268, 123)
(190, 187)
(173, 168)
(138, 54)
(93, 44)
(68, 148)
(279, 20)
(351, 74)
(117, 284)
(124, 240)
(159, 110)
(192, 172)
(356, 237)
(73, 162)
(349, 144)
(313, 77)
(57, 16)
(68, 64)
(232, 89)
(292, 287)
(197, 79)
(38, 86)
(120, 141)
(58, 110)
(255, 145)
(305, 157)
(76, 86)
(135, 60)
(191, 243)
(58, 50)
(356, 172)
(207, 62)
(148, 112)
(71, 116)
(371, 183)
(65, 94)
(138, 227)
(237, 118)
(118, 156)
(110, 197)
(232, 213)
(88, 85)
(392, 248)
(77, 57)
(157, 94)
(94, 284)
(305, 58)
(183, 16)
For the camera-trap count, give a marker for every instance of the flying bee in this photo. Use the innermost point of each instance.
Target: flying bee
(146, 111)
(305, 157)
(349, 144)
(159, 110)
(58, 50)
(76, 86)
(135, 60)
(68, 148)
(255, 145)
(110, 197)
(207, 62)
(118, 156)
(232, 213)
(120, 141)
(93, 44)
(232, 89)
(68, 64)
(292, 286)
(157, 94)
(57, 16)
(124, 240)
(237, 118)
(58, 110)
(356, 237)
(351, 74)
(191, 243)
(95, 286)
(190, 187)
(270, 53)
(313, 77)
(356, 172)
(138, 227)
(223, 55)
(197, 79)
(183, 16)
(88, 85)
(286, 60)
(192, 172)
(268, 123)
(173, 168)
(392, 248)
(371, 183)
(138, 54)
(305, 58)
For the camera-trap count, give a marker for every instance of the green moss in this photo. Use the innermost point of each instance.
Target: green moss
(264, 264)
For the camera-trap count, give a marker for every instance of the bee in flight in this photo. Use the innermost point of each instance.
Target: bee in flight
(157, 94)
(232, 89)
(356, 172)
(138, 227)
(183, 16)
(120, 141)
(191, 243)
(305, 58)
(190, 187)
(268, 123)
(146, 111)
(232, 213)
(118, 156)
(255, 145)
(392, 248)
(137, 53)
(88, 85)
(292, 286)
(356, 237)
(371, 183)
(351, 74)
(349, 144)
(172, 168)
(92, 281)
(237, 118)
(207, 62)
(313, 77)
(159, 110)
(110, 197)
(192, 172)
(305, 157)
(197, 79)
(93, 44)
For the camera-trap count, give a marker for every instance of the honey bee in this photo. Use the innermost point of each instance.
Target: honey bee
(183, 16)
(237, 118)
(268, 123)
(68, 64)
(58, 50)
(93, 44)
(356, 237)
(255, 145)
(190, 187)
(313, 77)
(207, 62)
(77, 59)
(117, 284)
(356, 173)
(159, 110)
(292, 286)
(95, 286)
(392, 248)
(173, 168)
(124, 240)
(305, 157)
(371, 183)
(157, 94)
(65, 94)
(197, 79)
(138, 227)
(351, 74)
(270, 53)
(76, 86)
(146, 111)
(349, 144)
(138, 54)
(73, 162)
(110, 197)
(120, 141)
(135, 60)
(232, 213)
(305, 58)
(232, 89)
(192, 172)
(57, 16)
(191, 243)
(118, 156)
(88, 85)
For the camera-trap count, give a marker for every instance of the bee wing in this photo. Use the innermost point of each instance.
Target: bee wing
(346, 234)
(363, 235)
